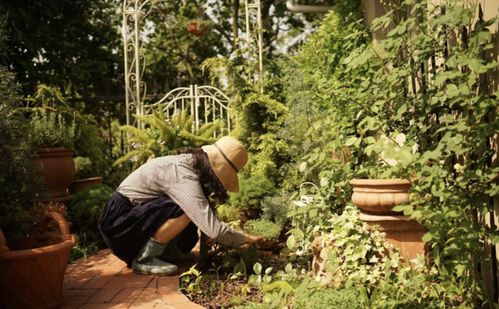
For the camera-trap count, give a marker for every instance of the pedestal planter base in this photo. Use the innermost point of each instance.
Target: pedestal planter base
(401, 232)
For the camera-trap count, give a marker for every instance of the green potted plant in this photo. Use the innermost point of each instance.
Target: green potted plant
(30, 266)
(386, 187)
(85, 175)
(53, 136)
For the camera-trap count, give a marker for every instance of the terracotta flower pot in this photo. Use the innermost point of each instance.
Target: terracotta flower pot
(379, 196)
(84, 184)
(33, 268)
(57, 168)
(196, 28)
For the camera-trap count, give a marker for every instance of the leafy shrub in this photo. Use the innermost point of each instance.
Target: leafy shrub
(228, 213)
(349, 298)
(84, 211)
(417, 288)
(83, 167)
(263, 227)
(275, 208)
(85, 207)
(356, 255)
(19, 180)
(253, 190)
(90, 144)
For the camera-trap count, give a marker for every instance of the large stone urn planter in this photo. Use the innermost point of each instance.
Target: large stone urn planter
(376, 198)
(57, 168)
(32, 268)
(379, 196)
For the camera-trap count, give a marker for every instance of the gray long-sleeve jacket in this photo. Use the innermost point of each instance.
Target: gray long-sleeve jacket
(176, 177)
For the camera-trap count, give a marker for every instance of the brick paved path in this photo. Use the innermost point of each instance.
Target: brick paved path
(103, 281)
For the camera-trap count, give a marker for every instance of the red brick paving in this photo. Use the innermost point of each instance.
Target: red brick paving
(103, 281)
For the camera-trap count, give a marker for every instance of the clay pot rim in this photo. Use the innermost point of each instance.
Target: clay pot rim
(86, 179)
(54, 152)
(64, 245)
(54, 149)
(379, 182)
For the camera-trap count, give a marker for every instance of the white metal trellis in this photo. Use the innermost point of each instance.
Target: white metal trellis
(254, 38)
(134, 12)
(204, 104)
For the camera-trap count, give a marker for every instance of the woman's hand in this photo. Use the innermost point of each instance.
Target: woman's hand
(252, 239)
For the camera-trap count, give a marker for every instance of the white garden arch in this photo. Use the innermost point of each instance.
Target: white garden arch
(203, 103)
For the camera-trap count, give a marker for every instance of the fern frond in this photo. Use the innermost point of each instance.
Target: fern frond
(207, 129)
(127, 157)
(137, 133)
(196, 140)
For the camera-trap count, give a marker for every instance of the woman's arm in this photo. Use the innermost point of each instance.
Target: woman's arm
(187, 193)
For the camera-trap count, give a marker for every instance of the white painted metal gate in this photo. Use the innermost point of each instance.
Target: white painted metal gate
(204, 104)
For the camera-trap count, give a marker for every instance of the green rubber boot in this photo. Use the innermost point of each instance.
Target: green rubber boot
(147, 262)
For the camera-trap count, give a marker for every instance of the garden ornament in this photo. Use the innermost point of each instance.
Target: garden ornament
(227, 157)
(306, 199)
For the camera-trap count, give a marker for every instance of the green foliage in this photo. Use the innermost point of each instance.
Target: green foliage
(309, 216)
(275, 208)
(74, 46)
(318, 90)
(19, 180)
(446, 151)
(51, 129)
(90, 143)
(85, 208)
(266, 228)
(356, 255)
(83, 167)
(253, 190)
(332, 298)
(388, 109)
(162, 137)
(228, 213)
(84, 211)
(296, 289)
(190, 281)
(85, 247)
(417, 288)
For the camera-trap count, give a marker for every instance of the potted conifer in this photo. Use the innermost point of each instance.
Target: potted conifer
(53, 136)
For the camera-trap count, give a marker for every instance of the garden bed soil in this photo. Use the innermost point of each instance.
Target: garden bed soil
(225, 293)
(219, 291)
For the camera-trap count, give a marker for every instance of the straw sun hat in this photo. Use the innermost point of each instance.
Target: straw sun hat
(227, 157)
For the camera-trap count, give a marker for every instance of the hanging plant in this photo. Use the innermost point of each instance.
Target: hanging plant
(198, 27)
